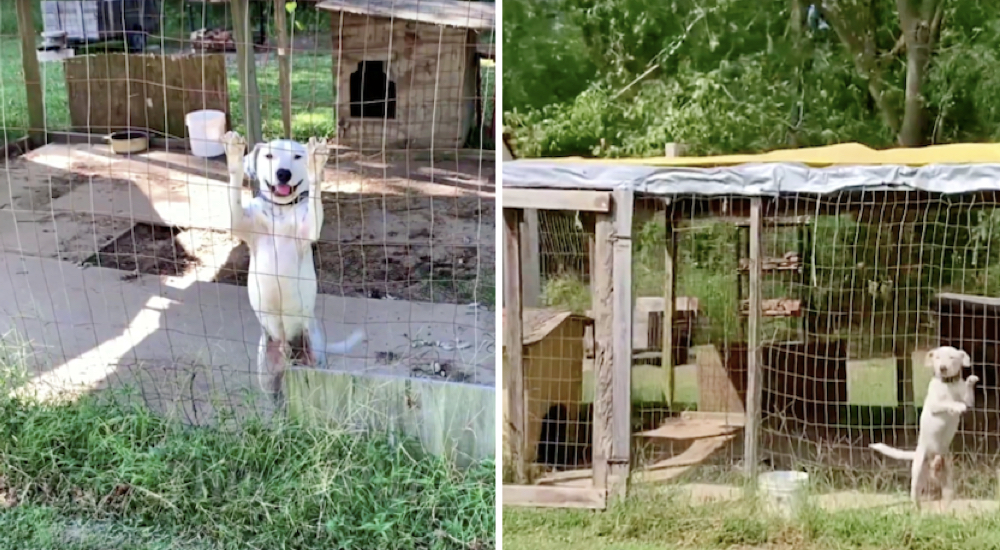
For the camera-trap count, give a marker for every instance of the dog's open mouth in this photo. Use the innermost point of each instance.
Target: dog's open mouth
(283, 189)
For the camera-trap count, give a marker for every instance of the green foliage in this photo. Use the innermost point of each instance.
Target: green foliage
(729, 77)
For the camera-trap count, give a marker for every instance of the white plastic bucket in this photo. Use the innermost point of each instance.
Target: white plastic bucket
(784, 492)
(205, 131)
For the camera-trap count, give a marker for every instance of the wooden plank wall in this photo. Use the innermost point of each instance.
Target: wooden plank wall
(430, 66)
(160, 91)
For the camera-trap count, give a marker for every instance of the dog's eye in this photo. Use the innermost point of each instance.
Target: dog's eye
(269, 156)
(298, 157)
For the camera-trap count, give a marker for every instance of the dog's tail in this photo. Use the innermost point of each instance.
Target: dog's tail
(342, 347)
(892, 452)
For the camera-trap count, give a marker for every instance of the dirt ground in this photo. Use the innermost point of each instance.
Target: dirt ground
(410, 247)
(400, 228)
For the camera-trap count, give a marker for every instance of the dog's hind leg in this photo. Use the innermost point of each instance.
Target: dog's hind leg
(317, 344)
(947, 490)
(270, 366)
(301, 350)
(917, 477)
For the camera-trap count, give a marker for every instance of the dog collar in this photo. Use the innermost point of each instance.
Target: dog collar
(952, 379)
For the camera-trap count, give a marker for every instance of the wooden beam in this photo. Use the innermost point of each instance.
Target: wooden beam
(621, 401)
(601, 306)
(32, 74)
(513, 371)
(755, 388)
(284, 66)
(553, 199)
(247, 67)
(669, 306)
(540, 496)
(531, 266)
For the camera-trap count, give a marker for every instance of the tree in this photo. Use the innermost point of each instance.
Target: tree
(857, 25)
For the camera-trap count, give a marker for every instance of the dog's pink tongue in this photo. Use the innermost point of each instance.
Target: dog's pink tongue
(283, 190)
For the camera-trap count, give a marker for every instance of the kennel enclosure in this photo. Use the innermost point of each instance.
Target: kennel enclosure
(787, 386)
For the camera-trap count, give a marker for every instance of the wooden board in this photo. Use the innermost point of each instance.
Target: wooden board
(454, 421)
(675, 466)
(549, 199)
(513, 348)
(621, 275)
(553, 497)
(697, 426)
(719, 390)
(775, 307)
(115, 91)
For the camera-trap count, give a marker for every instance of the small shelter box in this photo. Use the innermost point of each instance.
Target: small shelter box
(553, 373)
(407, 72)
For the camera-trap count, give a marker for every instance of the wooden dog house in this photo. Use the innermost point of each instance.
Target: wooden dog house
(407, 72)
(553, 357)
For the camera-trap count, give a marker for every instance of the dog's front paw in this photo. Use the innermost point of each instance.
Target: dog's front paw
(972, 380)
(235, 146)
(319, 153)
(959, 408)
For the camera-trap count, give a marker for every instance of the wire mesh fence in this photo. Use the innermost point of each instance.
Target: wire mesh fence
(121, 267)
(856, 288)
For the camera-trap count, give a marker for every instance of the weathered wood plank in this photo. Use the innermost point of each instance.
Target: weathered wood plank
(621, 380)
(116, 91)
(453, 421)
(549, 199)
(516, 428)
(284, 67)
(32, 74)
(246, 61)
(553, 497)
(669, 292)
(531, 253)
(755, 389)
(602, 308)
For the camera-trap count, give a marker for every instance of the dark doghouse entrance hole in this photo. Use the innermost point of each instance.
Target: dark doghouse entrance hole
(373, 95)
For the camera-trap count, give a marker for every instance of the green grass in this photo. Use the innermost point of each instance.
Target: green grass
(79, 473)
(33, 527)
(651, 520)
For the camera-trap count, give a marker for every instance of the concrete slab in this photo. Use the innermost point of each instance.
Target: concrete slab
(189, 345)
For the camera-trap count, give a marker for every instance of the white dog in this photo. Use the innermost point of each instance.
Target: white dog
(280, 225)
(948, 396)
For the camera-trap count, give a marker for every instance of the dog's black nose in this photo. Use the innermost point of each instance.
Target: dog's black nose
(284, 175)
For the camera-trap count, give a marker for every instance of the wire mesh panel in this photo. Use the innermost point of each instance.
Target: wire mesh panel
(856, 288)
(121, 267)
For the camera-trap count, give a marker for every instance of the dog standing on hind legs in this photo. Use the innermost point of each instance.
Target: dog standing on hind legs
(280, 225)
(948, 397)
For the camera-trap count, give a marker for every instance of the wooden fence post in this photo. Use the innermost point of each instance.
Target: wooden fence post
(603, 310)
(247, 65)
(621, 402)
(531, 261)
(513, 374)
(669, 302)
(284, 66)
(32, 74)
(755, 388)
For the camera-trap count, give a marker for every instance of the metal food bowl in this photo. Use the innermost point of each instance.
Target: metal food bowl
(128, 141)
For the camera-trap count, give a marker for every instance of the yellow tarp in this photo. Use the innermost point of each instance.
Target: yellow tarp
(852, 154)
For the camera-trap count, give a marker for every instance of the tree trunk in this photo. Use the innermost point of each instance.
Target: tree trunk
(855, 24)
(920, 21)
(914, 130)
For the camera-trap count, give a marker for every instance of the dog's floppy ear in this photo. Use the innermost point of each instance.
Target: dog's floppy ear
(250, 162)
(929, 361)
(966, 360)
